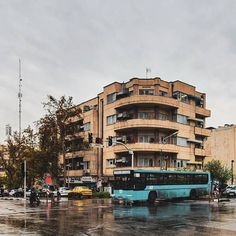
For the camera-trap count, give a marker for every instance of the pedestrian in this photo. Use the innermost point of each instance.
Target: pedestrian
(52, 196)
(99, 185)
(47, 194)
(58, 195)
(2, 191)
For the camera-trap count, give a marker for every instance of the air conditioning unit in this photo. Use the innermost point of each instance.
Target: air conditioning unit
(86, 171)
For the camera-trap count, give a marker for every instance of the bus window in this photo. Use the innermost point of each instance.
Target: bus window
(189, 179)
(123, 182)
(181, 179)
(172, 179)
(160, 178)
(204, 179)
(151, 179)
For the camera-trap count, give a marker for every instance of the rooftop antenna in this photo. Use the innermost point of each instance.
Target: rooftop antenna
(23, 164)
(20, 99)
(148, 70)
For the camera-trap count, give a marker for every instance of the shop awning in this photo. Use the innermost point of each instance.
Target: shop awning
(194, 162)
(196, 119)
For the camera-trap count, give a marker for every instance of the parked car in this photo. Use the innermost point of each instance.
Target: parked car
(12, 192)
(231, 192)
(64, 191)
(4, 193)
(28, 192)
(227, 189)
(17, 192)
(80, 192)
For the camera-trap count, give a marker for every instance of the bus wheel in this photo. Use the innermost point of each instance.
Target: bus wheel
(193, 194)
(152, 197)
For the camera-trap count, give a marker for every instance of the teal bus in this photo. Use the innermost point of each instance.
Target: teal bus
(151, 185)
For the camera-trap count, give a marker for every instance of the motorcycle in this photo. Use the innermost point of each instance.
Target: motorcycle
(34, 199)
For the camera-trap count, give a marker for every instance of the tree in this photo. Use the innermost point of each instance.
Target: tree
(218, 171)
(52, 129)
(11, 160)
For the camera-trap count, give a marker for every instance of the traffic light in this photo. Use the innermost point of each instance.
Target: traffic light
(110, 141)
(98, 140)
(90, 138)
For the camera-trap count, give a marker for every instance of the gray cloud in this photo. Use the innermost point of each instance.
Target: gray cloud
(77, 47)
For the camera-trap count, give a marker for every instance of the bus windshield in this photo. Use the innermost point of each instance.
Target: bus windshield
(123, 182)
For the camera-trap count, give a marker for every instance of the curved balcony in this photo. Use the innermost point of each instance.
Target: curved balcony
(147, 99)
(147, 147)
(146, 123)
(200, 152)
(202, 132)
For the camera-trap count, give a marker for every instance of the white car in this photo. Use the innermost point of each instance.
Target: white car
(229, 191)
(64, 191)
(28, 192)
(12, 192)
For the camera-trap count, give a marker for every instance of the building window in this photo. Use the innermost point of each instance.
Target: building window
(111, 119)
(182, 119)
(183, 97)
(162, 116)
(145, 115)
(182, 142)
(86, 165)
(111, 98)
(146, 139)
(146, 162)
(163, 93)
(146, 92)
(87, 126)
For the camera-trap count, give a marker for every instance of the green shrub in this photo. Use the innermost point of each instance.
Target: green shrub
(101, 194)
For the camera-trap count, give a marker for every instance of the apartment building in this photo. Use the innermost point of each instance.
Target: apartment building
(151, 123)
(221, 145)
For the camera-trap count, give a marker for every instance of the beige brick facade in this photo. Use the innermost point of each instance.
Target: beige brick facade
(221, 145)
(142, 113)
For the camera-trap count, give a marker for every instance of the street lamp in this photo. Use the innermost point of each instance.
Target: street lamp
(68, 178)
(232, 171)
(162, 143)
(131, 152)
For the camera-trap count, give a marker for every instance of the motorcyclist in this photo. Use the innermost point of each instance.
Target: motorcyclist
(34, 196)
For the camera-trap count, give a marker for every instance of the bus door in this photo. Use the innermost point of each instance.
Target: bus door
(139, 181)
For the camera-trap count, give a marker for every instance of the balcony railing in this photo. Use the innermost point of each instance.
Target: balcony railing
(202, 132)
(147, 99)
(146, 123)
(149, 147)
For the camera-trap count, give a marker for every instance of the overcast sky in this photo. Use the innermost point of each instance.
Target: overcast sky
(74, 48)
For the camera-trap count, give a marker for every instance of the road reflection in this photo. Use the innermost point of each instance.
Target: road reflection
(101, 217)
(168, 210)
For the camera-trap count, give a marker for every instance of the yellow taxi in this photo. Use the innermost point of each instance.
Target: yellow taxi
(80, 192)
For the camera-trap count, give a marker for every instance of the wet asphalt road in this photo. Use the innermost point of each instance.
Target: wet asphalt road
(101, 217)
